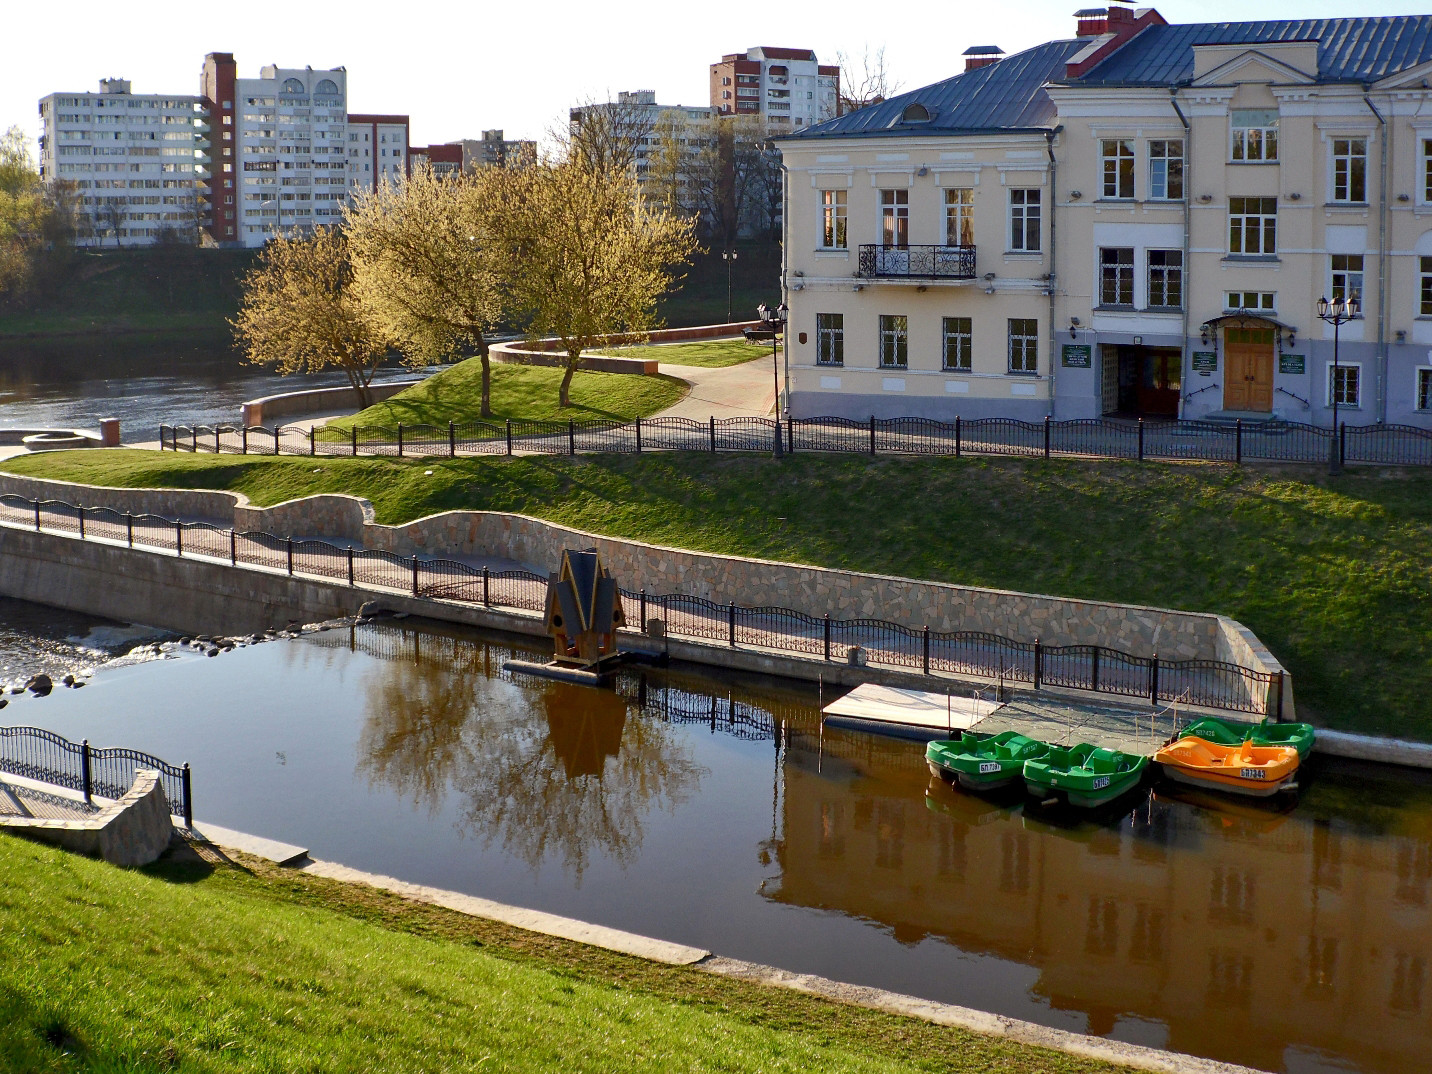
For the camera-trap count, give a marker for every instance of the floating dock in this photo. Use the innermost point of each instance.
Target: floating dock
(921, 714)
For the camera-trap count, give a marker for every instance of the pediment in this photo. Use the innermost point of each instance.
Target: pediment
(1419, 77)
(1253, 65)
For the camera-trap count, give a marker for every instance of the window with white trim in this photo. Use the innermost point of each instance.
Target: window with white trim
(895, 217)
(1350, 170)
(1166, 169)
(1252, 226)
(959, 216)
(894, 341)
(1424, 388)
(1263, 301)
(1165, 279)
(1024, 221)
(832, 219)
(1116, 276)
(1254, 134)
(830, 338)
(1346, 276)
(1118, 162)
(959, 344)
(1345, 384)
(1424, 305)
(1023, 345)
(1427, 171)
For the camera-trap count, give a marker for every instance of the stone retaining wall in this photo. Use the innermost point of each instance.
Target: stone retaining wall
(318, 401)
(131, 832)
(549, 351)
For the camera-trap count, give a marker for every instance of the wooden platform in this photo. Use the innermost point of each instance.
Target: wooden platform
(921, 714)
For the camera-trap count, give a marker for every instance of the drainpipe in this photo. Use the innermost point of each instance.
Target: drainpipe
(785, 283)
(1381, 262)
(1184, 363)
(1053, 254)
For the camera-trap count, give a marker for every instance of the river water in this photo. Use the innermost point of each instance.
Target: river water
(712, 810)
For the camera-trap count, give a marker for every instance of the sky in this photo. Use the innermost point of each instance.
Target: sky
(460, 68)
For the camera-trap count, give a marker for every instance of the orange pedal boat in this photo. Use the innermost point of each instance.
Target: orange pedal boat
(1255, 771)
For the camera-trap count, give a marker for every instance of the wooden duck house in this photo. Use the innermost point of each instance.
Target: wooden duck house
(584, 609)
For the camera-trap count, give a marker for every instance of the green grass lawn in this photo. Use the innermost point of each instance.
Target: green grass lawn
(710, 353)
(527, 392)
(202, 965)
(1335, 576)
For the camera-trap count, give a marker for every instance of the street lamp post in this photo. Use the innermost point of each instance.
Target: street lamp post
(728, 256)
(1337, 313)
(775, 320)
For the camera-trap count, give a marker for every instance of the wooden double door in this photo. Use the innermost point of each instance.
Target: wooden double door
(1248, 369)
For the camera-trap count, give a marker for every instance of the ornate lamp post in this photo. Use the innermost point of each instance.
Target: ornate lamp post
(1337, 313)
(728, 256)
(775, 321)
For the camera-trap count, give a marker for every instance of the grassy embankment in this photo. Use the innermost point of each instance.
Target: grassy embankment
(1334, 575)
(710, 353)
(193, 965)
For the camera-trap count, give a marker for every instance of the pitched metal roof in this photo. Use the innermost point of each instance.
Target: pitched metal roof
(1349, 50)
(1008, 95)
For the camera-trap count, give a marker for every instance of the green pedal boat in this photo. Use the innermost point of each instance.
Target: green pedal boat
(1084, 775)
(983, 764)
(1234, 733)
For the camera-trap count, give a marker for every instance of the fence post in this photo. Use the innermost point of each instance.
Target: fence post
(81, 512)
(350, 565)
(713, 434)
(37, 516)
(509, 436)
(643, 612)
(452, 440)
(85, 771)
(312, 446)
(731, 623)
(353, 436)
(1342, 443)
(194, 439)
(1154, 680)
(245, 439)
(276, 429)
(571, 437)
(1095, 686)
(415, 575)
(178, 538)
(188, 797)
(486, 586)
(1141, 440)
(233, 548)
(1038, 663)
(790, 435)
(400, 439)
(1238, 441)
(927, 648)
(129, 528)
(1046, 436)
(638, 434)
(290, 556)
(217, 448)
(163, 439)
(827, 635)
(957, 436)
(1278, 710)
(872, 434)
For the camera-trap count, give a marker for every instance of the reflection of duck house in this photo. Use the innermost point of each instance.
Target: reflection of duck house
(584, 612)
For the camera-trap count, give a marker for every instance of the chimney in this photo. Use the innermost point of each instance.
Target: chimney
(1092, 21)
(982, 56)
(1119, 17)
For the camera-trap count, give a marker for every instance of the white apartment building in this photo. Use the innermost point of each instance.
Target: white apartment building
(378, 151)
(637, 116)
(788, 89)
(136, 162)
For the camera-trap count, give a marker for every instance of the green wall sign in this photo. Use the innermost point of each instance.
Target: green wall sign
(1205, 361)
(1078, 356)
(1292, 363)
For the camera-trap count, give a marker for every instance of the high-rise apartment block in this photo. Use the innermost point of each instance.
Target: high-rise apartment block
(787, 88)
(135, 162)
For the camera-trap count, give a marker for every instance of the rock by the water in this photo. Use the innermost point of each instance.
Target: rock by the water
(40, 685)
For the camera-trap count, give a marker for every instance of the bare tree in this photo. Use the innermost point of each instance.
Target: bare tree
(607, 137)
(870, 84)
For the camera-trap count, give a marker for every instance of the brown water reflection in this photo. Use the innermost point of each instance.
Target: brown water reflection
(581, 779)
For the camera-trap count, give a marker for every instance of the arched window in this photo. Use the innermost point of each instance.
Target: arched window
(326, 86)
(915, 113)
(292, 85)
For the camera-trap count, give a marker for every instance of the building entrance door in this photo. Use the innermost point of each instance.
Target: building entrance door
(1248, 369)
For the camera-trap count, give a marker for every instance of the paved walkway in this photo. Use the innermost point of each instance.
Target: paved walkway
(733, 391)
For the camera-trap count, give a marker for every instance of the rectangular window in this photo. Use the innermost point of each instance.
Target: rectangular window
(1255, 133)
(830, 338)
(1024, 230)
(1252, 227)
(1166, 170)
(894, 341)
(1116, 276)
(1165, 279)
(1427, 171)
(1250, 300)
(1424, 307)
(832, 219)
(1346, 276)
(895, 217)
(959, 216)
(1345, 385)
(1350, 169)
(1023, 345)
(1118, 157)
(959, 346)
(1424, 388)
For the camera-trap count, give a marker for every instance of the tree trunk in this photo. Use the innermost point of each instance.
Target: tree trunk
(564, 397)
(486, 411)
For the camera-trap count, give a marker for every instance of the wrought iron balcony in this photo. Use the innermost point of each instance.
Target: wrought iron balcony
(918, 262)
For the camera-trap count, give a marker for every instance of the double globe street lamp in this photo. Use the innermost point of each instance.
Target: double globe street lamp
(775, 322)
(1337, 313)
(728, 256)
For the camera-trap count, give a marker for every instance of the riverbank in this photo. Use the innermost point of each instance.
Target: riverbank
(1332, 575)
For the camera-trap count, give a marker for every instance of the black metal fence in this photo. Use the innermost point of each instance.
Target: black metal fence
(1212, 683)
(42, 755)
(1113, 438)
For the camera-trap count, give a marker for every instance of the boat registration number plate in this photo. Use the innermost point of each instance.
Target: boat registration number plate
(1253, 773)
(989, 766)
(1100, 782)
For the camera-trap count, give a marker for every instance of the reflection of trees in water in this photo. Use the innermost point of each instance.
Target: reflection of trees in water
(548, 770)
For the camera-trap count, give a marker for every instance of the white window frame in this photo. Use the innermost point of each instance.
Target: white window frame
(895, 218)
(1424, 286)
(1345, 281)
(894, 341)
(1420, 374)
(1028, 348)
(1425, 191)
(1024, 214)
(962, 336)
(834, 233)
(830, 339)
(1346, 162)
(1239, 224)
(1356, 369)
(1116, 169)
(959, 216)
(1166, 169)
(1229, 305)
(1252, 141)
(1167, 272)
(1117, 270)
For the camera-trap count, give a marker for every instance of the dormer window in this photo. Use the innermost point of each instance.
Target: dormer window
(915, 113)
